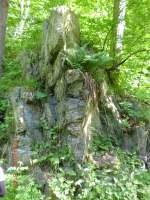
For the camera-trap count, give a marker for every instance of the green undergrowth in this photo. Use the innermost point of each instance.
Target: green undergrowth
(25, 189)
(135, 110)
(84, 181)
(5, 119)
(71, 180)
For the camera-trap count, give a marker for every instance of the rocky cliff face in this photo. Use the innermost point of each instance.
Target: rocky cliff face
(73, 102)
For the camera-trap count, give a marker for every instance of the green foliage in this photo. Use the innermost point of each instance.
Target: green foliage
(96, 24)
(135, 110)
(26, 188)
(87, 182)
(6, 119)
(6, 127)
(3, 104)
(86, 60)
(40, 95)
(83, 181)
(101, 143)
(52, 151)
(75, 57)
(12, 76)
(90, 183)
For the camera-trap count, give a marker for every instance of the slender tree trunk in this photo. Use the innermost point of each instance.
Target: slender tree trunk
(118, 27)
(114, 28)
(3, 18)
(25, 8)
(121, 25)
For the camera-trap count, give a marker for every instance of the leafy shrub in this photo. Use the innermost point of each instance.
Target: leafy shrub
(26, 188)
(3, 104)
(139, 112)
(5, 119)
(101, 143)
(86, 60)
(90, 183)
(87, 182)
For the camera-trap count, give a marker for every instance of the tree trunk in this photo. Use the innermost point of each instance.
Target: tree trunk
(121, 25)
(25, 8)
(114, 28)
(118, 27)
(3, 18)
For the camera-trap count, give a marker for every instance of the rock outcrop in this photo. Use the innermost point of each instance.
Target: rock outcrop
(73, 103)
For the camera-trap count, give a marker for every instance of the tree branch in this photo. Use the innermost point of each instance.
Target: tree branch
(131, 54)
(105, 40)
(124, 60)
